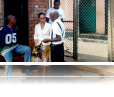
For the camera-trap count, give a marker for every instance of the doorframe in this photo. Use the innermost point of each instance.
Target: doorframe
(4, 13)
(27, 19)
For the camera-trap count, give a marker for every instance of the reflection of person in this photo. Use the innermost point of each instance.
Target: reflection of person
(57, 48)
(56, 7)
(41, 51)
(10, 45)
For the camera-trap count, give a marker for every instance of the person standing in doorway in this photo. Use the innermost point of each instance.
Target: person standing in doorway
(57, 8)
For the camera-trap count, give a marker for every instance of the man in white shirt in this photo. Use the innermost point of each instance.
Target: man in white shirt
(57, 38)
(57, 49)
(56, 7)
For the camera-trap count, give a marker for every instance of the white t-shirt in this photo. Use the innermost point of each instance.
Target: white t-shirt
(60, 11)
(57, 30)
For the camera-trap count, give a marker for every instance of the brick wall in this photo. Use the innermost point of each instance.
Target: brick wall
(1, 13)
(35, 7)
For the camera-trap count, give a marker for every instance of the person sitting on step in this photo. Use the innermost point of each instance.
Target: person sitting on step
(9, 45)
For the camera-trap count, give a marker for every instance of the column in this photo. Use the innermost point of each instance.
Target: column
(111, 30)
(100, 16)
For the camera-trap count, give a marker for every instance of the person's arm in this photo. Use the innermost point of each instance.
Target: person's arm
(62, 19)
(57, 32)
(58, 38)
(0, 33)
(1, 37)
(35, 36)
(63, 15)
(18, 36)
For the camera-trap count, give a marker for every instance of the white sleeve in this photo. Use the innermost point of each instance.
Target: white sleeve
(48, 14)
(50, 31)
(56, 29)
(35, 33)
(63, 14)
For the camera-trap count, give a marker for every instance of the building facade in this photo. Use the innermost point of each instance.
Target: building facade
(26, 12)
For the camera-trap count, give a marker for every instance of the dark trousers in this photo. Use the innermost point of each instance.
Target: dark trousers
(57, 53)
(57, 67)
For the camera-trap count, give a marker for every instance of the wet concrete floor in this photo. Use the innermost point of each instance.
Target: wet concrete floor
(37, 70)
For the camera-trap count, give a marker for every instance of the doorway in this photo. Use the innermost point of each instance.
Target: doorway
(19, 8)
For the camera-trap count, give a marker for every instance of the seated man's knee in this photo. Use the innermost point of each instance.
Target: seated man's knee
(28, 48)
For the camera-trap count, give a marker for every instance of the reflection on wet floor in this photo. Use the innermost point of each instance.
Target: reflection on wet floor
(66, 75)
(70, 71)
(16, 71)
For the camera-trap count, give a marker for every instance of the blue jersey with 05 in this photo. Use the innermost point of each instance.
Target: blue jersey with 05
(9, 36)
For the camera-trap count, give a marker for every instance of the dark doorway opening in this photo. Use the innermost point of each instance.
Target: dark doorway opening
(19, 8)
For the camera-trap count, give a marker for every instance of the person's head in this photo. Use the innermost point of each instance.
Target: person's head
(11, 19)
(42, 17)
(56, 4)
(54, 15)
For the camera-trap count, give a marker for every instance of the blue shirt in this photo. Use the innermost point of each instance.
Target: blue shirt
(9, 39)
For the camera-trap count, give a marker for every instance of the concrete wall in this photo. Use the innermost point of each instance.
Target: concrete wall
(100, 16)
(67, 6)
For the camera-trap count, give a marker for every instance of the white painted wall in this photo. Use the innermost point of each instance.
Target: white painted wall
(67, 6)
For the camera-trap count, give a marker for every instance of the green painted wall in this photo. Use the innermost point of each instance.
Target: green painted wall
(87, 16)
